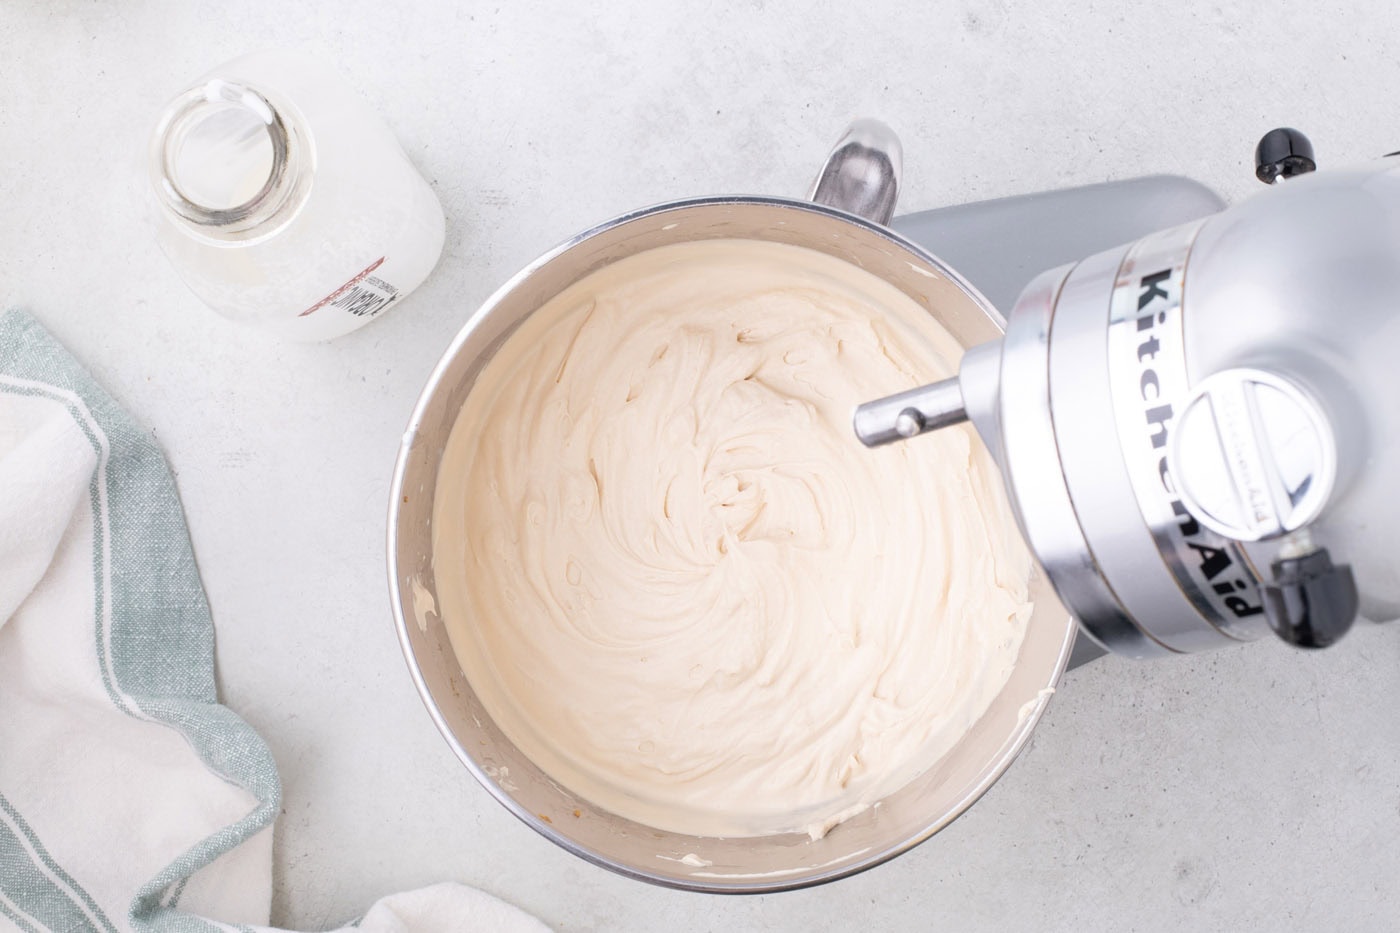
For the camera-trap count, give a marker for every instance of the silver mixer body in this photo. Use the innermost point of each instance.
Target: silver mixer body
(1198, 430)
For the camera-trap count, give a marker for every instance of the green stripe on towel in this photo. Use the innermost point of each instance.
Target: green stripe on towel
(38, 885)
(16, 918)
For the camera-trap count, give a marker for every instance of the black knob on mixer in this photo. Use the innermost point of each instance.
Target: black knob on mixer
(1282, 153)
(1312, 602)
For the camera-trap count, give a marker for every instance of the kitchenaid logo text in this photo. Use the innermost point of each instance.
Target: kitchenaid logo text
(1158, 304)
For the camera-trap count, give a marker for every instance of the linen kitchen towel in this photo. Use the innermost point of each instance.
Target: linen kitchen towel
(129, 798)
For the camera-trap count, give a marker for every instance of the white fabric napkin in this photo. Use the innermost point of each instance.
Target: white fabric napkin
(129, 798)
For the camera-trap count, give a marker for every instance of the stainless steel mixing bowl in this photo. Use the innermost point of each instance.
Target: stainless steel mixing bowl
(861, 176)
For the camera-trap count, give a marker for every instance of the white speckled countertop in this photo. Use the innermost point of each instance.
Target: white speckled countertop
(1251, 789)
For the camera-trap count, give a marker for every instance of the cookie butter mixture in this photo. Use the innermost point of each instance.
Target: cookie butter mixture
(677, 581)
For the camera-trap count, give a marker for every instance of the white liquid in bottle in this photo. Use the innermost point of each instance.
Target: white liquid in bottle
(285, 201)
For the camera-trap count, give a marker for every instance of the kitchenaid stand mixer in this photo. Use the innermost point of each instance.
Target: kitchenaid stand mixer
(1197, 430)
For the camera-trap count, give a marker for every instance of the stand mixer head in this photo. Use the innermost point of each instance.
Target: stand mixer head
(1197, 430)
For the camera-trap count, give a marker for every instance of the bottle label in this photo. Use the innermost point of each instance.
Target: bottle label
(364, 295)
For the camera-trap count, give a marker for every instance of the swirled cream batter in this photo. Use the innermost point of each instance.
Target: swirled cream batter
(677, 581)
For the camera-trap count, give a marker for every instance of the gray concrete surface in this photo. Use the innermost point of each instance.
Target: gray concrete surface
(1257, 789)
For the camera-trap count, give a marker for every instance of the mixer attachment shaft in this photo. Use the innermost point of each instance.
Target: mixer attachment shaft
(910, 413)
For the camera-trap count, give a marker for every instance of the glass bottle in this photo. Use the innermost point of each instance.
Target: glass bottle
(285, 202)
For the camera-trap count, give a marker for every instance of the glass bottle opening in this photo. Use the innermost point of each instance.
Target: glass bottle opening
(223, 157)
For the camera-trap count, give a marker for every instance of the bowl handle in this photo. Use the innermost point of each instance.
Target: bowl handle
(862, 173)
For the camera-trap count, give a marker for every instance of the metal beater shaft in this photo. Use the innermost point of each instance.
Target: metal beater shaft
(917, 411)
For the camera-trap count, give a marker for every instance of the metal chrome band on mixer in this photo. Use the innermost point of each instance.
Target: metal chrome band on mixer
(1095, 365)
(1034, 475)
(1147, 373)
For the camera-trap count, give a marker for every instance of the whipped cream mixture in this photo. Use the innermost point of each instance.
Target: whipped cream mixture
(678, 582)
